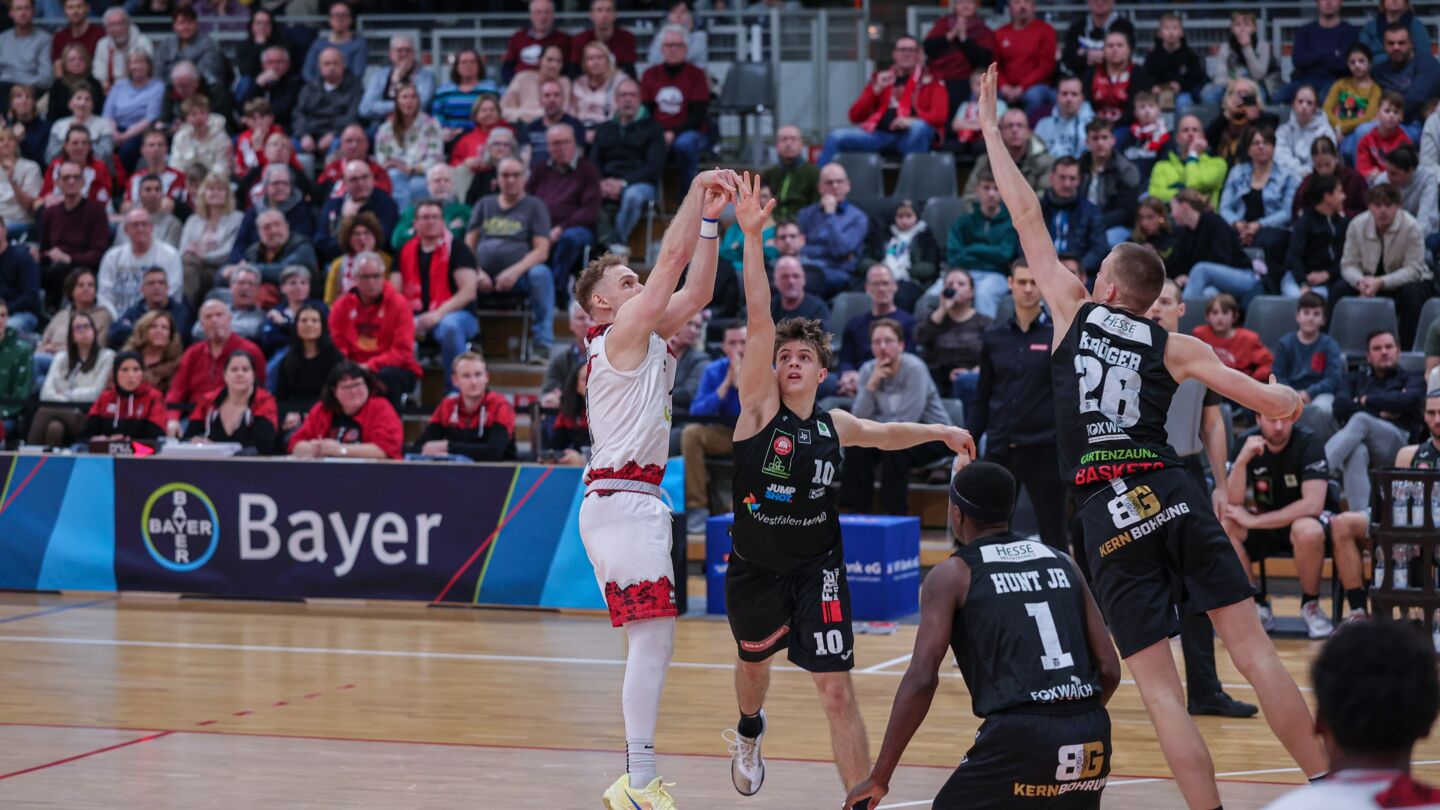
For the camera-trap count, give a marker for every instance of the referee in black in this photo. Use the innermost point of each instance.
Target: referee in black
(1013, 405)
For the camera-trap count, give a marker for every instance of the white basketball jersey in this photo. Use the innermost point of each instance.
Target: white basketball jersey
(629, 413)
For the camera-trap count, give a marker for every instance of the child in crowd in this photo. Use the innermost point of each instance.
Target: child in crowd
(1175, 69)
(911, 254)
(249, 147)
(966, 123)
(1309, 361)
(1238, 348)
(1388, 134)
(1148, 135)
(202, 139)
(1353, 101)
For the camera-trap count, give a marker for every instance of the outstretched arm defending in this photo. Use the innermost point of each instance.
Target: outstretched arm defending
(759, 392)
(856, 432)
(1063, 292)
(1188, 357)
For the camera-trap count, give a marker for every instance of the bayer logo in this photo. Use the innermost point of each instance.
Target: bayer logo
(180, 527)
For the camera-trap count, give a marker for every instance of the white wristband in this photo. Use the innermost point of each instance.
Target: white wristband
(709, 228)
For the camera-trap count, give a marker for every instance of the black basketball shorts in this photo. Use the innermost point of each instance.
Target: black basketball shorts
(807, 612)
(1262, 543)
(1152, 541)
(1054, 761)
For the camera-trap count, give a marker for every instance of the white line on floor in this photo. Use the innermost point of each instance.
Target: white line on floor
(885, 664)
(445, 656)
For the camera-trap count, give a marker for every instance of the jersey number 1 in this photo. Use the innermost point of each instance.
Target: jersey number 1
(1119, 401)
(1054, 657)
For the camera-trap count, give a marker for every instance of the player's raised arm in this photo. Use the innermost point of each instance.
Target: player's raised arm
(1188, 357)
(856, 432)
(943, 592)
(641, 315)
(1063, 292)
(759, 393)
(700, 281)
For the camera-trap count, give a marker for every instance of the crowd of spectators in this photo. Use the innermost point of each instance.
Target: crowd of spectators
(174, 202)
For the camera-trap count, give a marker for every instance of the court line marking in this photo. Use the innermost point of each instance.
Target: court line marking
(559, 749)
(885, 664)
(443, 656)
(125, 744)
(57, 609)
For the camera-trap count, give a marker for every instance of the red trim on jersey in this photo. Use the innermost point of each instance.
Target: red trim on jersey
(632, 471)
(762, 646)
(652, 599)
(1406, 792)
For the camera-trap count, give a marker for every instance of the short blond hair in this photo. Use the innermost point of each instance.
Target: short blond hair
(591, 277)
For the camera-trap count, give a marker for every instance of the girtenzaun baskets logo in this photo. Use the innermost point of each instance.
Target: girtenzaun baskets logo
(180, 527)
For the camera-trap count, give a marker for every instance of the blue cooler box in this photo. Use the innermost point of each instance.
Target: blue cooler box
(882, 564)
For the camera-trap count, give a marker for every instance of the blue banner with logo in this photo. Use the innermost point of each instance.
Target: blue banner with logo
(457, 533)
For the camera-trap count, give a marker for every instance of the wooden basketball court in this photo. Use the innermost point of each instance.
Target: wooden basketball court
(153, 702)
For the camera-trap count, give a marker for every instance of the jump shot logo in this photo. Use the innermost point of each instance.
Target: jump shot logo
(180, 527)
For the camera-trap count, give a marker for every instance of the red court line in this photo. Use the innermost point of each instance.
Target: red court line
(23, 484)
(559, 749)
(496, 533)
(155, 736)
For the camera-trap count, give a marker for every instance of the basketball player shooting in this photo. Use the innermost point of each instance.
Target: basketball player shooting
(624, 524)
(785, 587)
(1148, 534)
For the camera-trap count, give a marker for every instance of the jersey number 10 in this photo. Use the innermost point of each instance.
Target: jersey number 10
(1119, 401)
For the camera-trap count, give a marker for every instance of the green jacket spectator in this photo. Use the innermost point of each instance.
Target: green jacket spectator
(457, 217)
(17, 378)
(794, 181)
(1186, 163)
(978, 242)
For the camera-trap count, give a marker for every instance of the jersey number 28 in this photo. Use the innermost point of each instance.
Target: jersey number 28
(1120, 398)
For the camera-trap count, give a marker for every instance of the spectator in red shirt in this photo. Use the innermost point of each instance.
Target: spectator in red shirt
(475, 423)
(1238, 347)
(1025, 53)
(959, 43)
(350, 421)
(1111, 85)
(900, 109)
(354, 145)
(130, 408)
(569, 185)
(78, 149)
(372, 325)
(677, 94)
(202, 366)
(620, 41)
(526, 45)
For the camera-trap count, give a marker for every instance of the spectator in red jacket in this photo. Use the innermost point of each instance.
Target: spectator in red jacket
(372, 325)
(202, 366)
(475, 423)
(349, 421)
(620, 41)
(130, 408)
(677, 94)
(1238, 348)
(526, 45)
(569, 185)
(1025, 54)
(959, 43)
(903, 123)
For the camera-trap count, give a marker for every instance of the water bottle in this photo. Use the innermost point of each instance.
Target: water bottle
(1417, 504)
(1400, 504)
(1435, 505)
(1379, 568)
(1402, 566)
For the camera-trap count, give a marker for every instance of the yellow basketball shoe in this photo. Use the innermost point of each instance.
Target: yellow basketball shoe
(621, 796)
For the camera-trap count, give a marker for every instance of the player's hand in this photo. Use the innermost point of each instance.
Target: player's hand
(989, 120)
(960, 441)
(1299, 406)
(748, 211)
(1254, 446)
(722, 178)
(868, 789)
(1219, 500)
(1239, 515)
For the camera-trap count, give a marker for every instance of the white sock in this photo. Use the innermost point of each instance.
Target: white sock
(651, 644)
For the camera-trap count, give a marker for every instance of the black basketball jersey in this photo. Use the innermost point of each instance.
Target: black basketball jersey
(786, 515)
(1427, 456)
(1111, 369)
(1020, 636)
